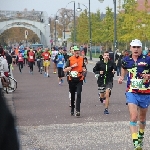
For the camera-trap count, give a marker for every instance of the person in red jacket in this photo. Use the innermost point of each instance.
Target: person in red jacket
(20, 61)
(31, 59)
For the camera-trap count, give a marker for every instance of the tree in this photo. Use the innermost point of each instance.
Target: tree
(96, 27)
(64, 16)
(107, 27)
(82, 28)
(133, 23)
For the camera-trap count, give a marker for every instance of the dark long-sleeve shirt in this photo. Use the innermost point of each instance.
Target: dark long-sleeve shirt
(107, 69)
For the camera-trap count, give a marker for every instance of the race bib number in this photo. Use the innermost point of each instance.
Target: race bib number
(60, 62)
(31, 57)
(74, 74)
(136, 83)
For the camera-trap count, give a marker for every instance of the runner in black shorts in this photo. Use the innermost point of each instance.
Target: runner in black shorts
(104, 71)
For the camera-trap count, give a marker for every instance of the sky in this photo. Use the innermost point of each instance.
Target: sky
(51, 6)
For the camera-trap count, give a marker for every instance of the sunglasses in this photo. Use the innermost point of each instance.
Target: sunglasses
(136, 46)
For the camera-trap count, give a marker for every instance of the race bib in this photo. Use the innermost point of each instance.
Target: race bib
(46, 60)
(31, 57)
(20, 58)
(60, 62)
(38, 59)
(74, 74)
(136, 83)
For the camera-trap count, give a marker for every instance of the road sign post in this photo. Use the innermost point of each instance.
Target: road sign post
(26, 36)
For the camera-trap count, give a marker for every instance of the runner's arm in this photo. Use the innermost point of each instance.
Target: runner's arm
(124, 70)
(67, 67)
(96, 69)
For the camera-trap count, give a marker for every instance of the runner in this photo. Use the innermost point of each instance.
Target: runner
(13, 57)
(85, 62)
(105, 69)
(137, 68)
(46, 62)
(20, 61)
(71, 53)
(25, 57)
(75, 65)
(59, 58)
(39, 59)
(31, 59)
(54, 53)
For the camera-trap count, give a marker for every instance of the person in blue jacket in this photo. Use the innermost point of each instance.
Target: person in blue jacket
(59, 58)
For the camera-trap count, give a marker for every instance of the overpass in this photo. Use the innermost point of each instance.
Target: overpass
(37, 21)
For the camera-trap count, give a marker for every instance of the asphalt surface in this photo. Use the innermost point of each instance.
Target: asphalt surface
(44, 121)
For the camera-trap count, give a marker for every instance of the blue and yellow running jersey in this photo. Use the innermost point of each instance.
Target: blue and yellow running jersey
(135, 81)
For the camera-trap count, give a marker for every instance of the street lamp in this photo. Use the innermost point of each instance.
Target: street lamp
(90, 30)
(65, 16)
(74, 31)
(56, 19)
(115, 25)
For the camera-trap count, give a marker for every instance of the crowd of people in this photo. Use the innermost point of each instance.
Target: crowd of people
(133, 67)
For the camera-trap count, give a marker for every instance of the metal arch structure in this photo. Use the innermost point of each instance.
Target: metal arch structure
(28, 26)
(36, 21)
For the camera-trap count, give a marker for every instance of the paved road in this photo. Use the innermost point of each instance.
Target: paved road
(44, 121)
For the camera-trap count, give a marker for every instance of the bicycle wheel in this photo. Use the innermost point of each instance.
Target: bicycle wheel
(12, 85)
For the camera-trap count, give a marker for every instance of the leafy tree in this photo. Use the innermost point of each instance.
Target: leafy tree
(82, 28)
(107, 27)
(96, 27)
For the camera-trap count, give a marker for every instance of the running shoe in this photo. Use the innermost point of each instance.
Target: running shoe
(138, 147)
(106, 112)
(140, 139)
(77, 113)
(72, 111)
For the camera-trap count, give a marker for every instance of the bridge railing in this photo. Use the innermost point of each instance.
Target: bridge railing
(29, 15)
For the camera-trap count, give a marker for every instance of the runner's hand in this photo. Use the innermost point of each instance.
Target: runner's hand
(84, 70)
(113, 71)
(68, 69)
(146, 76)
(120, 80)
(101, 72)
(75, 65)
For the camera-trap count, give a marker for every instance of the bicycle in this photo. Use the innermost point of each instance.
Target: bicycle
(12, 84)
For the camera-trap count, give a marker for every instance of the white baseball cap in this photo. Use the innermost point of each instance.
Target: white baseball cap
(136, 42)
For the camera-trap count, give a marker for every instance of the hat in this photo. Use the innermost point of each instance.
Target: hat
(75, 48)
(136, 42)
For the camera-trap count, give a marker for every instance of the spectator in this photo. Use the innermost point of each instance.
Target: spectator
(8, 133)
